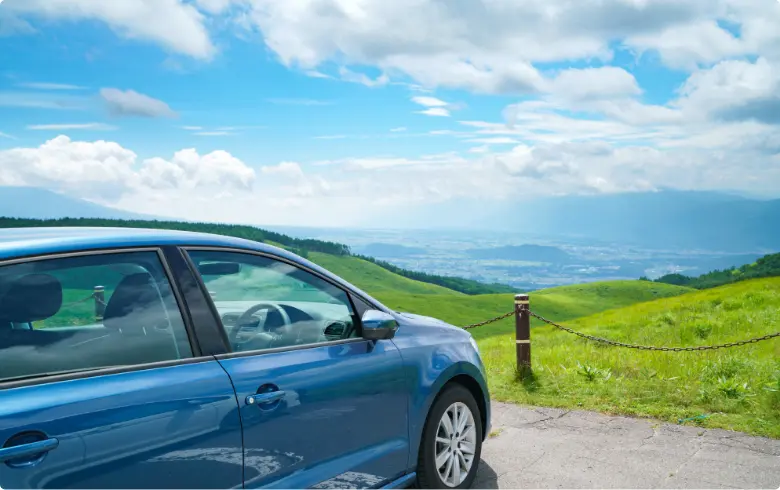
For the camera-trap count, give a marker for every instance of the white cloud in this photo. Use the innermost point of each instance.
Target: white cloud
(398, 130)
(131, 103)
(42, 100)
(173, 24)
(100, 168)
(350, 76)
(607, 82)
(496, 140)
(479, 149)
(104, 170)
(6, 135)
(217, 186)
(213, 133)
(65, 127)
(192, 128)
(435, 111)
(734, 90)
(189, 170)
(686, 46)
(483, 46)
(429, 101)
(285, 169)
(50, 86)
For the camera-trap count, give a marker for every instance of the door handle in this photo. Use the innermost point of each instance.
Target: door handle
(265, 398)
(33, 448)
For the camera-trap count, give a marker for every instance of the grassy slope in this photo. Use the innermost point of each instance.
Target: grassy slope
(737, 388)
(561, 303)
(374, 279)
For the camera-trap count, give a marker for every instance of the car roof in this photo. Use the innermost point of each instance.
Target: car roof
(21, 242)
(28, 242)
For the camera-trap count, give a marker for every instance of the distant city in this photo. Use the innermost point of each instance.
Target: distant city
(523, 261)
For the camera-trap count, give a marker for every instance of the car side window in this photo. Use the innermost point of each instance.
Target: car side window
(266, 304)
(68, 314)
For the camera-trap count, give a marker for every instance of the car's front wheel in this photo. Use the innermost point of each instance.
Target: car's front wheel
(452, 441)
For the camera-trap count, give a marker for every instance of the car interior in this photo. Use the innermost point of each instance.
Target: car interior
(137, 326)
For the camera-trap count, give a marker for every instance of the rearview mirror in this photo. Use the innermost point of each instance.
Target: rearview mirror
(219, 268)
(378, 325)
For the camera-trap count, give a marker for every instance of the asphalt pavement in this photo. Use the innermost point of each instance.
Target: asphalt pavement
(551, 448)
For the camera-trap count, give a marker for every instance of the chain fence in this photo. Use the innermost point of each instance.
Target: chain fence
(626, 345)
(500, 317)
(92, 296)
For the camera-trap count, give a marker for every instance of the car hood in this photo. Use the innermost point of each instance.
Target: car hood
(424, 320)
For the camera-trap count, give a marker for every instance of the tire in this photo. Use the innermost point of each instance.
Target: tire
(429, 474)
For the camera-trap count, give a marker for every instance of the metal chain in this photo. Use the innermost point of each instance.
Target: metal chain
(650, 347)
(473, 325)
(79, 301)
(91, 296)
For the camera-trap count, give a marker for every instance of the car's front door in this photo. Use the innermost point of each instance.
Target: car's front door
(106, 390)
(320, 406)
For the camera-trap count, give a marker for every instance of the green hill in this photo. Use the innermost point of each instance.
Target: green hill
(561, 303)
(375, 279)
(736, 388)
(766, 266)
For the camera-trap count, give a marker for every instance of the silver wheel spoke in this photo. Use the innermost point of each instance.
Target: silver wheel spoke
(464, 419)
(442, 458)
(468, 433)
(466, 448)
(456, 470)
(446, 424)
(455, 444)
(462, 459)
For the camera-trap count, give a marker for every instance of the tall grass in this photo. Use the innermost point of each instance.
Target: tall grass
(736, 388)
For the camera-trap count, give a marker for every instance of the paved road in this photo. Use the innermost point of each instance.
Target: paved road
(550, 448)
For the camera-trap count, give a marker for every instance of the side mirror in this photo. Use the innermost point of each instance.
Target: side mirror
(378, 325)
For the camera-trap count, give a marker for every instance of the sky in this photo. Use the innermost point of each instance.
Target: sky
(336, 112)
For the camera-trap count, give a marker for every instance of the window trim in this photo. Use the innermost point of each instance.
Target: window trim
(230, 353)
(44, 378)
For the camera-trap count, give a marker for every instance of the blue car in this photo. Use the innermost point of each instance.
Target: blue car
(161, 359)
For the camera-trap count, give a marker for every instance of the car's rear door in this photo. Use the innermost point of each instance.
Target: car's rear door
(109, 390)
(320, 406)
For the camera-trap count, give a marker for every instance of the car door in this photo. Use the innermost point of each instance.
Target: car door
(101, 383)
(320, 406)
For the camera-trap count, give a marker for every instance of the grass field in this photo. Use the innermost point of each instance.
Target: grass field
(562, 303)
(374, 279)
(737, 388)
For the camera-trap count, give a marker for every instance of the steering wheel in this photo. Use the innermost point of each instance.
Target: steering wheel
(247, 315)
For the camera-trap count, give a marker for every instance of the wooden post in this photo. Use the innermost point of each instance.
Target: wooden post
(99, 296)
(523, 334)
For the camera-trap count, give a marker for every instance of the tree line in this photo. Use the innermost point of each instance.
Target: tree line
(766, 266)
(467, 286)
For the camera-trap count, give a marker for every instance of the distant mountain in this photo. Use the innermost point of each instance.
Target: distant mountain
(528, 253)
(37, 203)
(391, 250)
(667, 219)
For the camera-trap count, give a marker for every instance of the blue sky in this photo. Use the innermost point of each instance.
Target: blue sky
(334, 111)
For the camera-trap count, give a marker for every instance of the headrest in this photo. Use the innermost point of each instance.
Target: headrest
(31, 298)
(134, 305)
